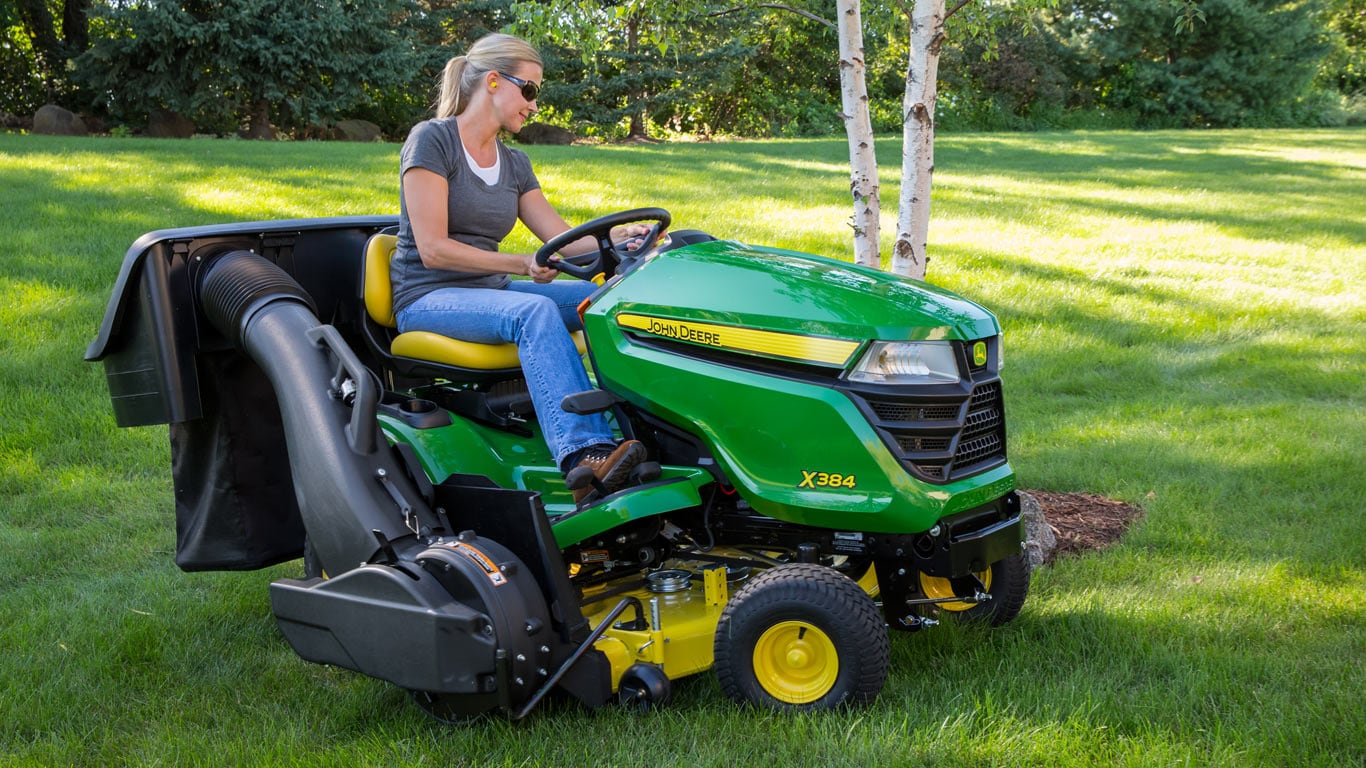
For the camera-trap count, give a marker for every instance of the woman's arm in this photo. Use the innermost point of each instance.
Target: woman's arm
(425, 194)
(545, 222)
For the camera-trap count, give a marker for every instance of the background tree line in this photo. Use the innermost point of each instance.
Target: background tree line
(748, 69)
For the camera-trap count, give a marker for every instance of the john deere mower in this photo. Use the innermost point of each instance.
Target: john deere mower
(827, 459)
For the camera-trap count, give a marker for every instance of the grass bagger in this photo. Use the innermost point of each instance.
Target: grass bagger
(827, 459)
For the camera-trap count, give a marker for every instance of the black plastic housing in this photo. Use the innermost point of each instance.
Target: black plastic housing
(151, 333)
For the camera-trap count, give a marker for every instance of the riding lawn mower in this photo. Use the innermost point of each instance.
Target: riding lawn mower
(826, 460)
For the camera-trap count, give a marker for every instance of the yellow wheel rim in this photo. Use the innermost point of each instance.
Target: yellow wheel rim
(796, 662)
(868, 583)
(937, 588)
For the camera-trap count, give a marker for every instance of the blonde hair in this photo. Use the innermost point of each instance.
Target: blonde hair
(490, 53)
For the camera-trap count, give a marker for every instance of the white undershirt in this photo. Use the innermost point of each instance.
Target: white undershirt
(488, 175)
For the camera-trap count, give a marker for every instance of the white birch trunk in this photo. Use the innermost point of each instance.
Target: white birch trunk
(917, 141)
(863, 182)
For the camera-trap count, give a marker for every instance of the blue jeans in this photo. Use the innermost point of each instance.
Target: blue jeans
(538, 318)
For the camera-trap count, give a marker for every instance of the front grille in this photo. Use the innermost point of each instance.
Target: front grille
(904, 412)
(914, 444)
(941, 437)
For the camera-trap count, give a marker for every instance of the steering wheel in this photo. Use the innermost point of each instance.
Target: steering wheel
(587, 266)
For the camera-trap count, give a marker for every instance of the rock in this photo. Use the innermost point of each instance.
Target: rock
(1039, 537)
(358, 130)
(15, 122)
(165, 124)
(540, 133)
(55, 121)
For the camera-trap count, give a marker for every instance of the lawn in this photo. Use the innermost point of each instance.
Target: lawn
(1185, 331)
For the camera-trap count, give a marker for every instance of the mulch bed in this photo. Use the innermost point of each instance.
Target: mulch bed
(1084, 521)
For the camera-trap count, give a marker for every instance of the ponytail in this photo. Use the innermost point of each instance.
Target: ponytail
(449, 102)
(490, 53)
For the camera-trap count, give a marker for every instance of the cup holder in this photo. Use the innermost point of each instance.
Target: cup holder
(417, 407)
(416, 412)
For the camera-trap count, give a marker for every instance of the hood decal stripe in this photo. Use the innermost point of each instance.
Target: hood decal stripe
(793, 346)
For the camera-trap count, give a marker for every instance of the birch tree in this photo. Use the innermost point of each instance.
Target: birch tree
(909, 257)
(926, 31)
(926, 20)
(858, 126)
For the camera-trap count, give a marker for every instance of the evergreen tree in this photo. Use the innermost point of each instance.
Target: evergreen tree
(271, 63)
(1235, 63)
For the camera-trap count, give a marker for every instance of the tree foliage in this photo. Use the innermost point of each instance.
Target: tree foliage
(286, 64)
(658, 67)
(1344, 68)
(693, 67)
(37, 40)
(1238, 63)
(1008, 77)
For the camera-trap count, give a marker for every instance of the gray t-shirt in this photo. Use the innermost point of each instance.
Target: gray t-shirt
(477, 214)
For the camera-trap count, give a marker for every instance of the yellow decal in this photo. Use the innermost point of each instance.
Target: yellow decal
(825, 480)
(482, 560)
(979, 353)
(794, 346)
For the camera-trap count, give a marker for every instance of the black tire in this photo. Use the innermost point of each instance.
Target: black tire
(801, 636)
(644, 687)
(1007, 581)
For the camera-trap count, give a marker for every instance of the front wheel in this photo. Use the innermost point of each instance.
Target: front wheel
(1006, 581)
(801, 636)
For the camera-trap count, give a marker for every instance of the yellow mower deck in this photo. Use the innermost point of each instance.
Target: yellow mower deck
(681, 626)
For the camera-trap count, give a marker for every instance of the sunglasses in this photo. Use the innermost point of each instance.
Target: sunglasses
(530, 90)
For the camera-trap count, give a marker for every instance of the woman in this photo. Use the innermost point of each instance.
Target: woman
(461, 192)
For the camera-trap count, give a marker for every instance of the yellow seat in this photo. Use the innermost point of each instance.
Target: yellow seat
(417, 347)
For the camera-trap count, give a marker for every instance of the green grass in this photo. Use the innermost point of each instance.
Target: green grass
(1185, 330)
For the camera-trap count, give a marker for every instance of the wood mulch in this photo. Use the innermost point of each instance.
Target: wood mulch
(1084, 521)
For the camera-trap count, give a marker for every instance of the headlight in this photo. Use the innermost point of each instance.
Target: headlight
(907, 362)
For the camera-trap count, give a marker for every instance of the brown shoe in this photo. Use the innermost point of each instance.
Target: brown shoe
(611, 465)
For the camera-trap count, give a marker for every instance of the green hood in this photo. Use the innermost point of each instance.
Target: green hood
(785, 291)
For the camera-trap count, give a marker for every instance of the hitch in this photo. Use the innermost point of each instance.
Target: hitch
(912, 622)
(977, 597)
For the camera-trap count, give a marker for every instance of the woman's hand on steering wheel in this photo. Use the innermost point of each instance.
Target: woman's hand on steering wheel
(604, 230)
(539, 273)
(632, 237)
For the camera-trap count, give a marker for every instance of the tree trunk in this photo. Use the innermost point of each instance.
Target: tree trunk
(76, 26)
(917, 142)
(863, 183)
(260, 127)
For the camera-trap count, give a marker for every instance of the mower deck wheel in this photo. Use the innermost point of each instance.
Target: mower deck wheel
(801, 636)
(644, 687)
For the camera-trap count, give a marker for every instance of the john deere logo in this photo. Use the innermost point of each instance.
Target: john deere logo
(979, 353)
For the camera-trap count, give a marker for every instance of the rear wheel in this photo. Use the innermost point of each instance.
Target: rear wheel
(1006, 581)
(801, 636)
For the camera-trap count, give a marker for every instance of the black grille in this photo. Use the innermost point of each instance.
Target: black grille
(913, 444)
(904, 412)
(942, 437)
